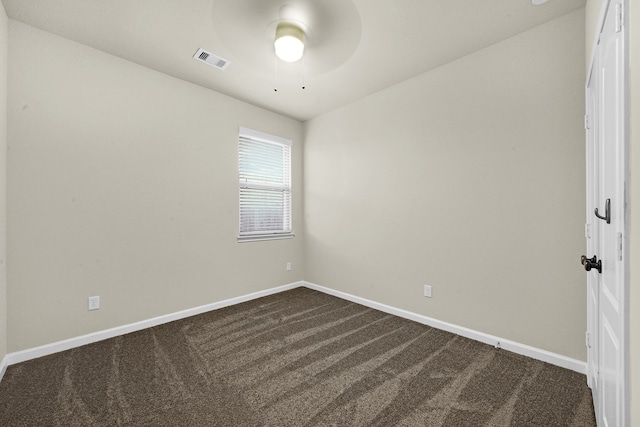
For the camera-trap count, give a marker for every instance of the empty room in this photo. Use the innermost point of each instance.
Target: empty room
(319, 213)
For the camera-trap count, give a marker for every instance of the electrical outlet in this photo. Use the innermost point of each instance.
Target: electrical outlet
(94, 303)
(288, 266)
(427, 291)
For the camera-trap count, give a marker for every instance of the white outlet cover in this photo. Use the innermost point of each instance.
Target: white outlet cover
(427, 291)
(94, 303)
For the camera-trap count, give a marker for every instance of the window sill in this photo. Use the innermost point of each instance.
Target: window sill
(260, 237)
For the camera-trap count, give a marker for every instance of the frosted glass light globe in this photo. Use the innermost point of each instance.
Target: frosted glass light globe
(289, 42)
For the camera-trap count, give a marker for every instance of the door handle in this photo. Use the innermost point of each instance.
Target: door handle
(607, 212)
(590, 263)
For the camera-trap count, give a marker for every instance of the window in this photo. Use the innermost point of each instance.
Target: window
(264, 164)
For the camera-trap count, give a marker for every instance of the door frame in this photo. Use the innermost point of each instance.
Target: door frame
(592, 231)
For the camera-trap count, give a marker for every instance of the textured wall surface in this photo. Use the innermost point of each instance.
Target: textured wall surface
(123, 183)
(3, 181)
(469, 178)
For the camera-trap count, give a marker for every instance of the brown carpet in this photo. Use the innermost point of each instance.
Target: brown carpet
(298, 358)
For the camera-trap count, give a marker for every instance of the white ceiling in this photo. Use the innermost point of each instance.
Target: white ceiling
(354, 47)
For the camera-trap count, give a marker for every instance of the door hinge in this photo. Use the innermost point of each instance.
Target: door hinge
(587, 230)
(588, 339)
(626, 197)
(586, 122)
(619, 17)
(619, 245)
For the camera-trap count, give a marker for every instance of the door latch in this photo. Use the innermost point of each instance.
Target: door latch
(590, 263)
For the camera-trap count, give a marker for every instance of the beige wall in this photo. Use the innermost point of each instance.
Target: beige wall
(122, 182)
(469, 178)
(3, 181)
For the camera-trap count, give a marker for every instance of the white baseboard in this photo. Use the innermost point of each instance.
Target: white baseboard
(3, 366)
(525, 350)
(45, 350)
(512, 346)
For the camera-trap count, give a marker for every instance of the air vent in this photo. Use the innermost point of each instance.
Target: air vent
(211, 59)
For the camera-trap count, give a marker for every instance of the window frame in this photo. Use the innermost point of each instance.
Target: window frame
(244, 135)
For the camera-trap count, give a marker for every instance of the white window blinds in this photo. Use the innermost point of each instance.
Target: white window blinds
(264, 164)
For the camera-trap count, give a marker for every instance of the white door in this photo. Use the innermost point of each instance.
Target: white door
(606, 182)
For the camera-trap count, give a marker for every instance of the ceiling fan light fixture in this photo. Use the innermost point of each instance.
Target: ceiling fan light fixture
(289, 42)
